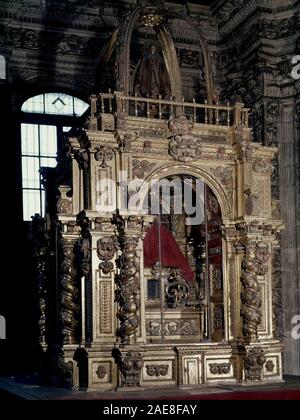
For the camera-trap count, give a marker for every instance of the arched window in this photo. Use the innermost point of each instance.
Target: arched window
(45, 120)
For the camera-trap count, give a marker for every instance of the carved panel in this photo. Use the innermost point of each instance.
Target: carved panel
(106, 250)
(101, 372)
(218, 368)
(254, 361)
(272, 366)
(130, 364)
(106, 306)
(225, 178)
(173, 327)
(157, 370)
(104, 154)
(161, 370)
(104, 309)
(141, 168)
(184, 146)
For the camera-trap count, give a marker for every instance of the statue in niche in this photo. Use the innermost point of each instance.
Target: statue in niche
(151, 78)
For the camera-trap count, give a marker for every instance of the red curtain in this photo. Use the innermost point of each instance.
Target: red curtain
(171, 255)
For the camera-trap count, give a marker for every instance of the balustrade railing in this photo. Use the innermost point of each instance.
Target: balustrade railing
(164, 109)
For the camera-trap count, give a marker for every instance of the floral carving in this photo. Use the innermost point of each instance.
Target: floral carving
(172, 327)
(261, 166)
(106, 250)
(253, 364)
(225, 176)
(183, 145)
(130, 364)
(219, 368)
(185, 148)
(140, 168)
(104, 154)
(180, 126)
(64, 206)
(101, 372)
(157, 370)
(270, 366)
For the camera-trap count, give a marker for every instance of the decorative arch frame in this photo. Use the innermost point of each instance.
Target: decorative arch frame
(198, 172)
(121, 39)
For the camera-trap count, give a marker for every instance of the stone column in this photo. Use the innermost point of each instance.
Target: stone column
(129, 354)
(69, 307)
(289, 238)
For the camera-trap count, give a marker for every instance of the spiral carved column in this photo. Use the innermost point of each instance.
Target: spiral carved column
(256, 255)
(69, 292)
(128, 282)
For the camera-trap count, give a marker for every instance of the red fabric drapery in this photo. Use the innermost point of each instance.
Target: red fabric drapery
(171, 255)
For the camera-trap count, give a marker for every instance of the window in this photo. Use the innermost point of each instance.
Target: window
(40, 138)
(2, 67)
(55, 104)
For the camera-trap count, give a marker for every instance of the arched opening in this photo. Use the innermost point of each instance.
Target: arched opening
(183, 267)
(149, 25)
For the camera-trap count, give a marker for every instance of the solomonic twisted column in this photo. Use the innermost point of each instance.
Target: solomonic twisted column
(256, 255)
(69, 307)
(128, 282)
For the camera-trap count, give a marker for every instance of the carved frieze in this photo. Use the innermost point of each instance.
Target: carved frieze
(183, 327)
